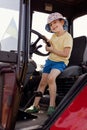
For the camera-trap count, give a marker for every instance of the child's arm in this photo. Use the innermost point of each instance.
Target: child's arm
(63, 53)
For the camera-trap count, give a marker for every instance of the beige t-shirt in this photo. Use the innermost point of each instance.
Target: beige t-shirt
(60, 42)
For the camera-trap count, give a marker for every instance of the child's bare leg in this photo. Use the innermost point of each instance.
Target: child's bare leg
(41, 88)
(52, 85)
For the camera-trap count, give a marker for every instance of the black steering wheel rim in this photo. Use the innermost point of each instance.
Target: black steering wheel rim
(33, 48)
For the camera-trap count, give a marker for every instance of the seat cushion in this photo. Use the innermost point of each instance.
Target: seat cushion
(71, 71)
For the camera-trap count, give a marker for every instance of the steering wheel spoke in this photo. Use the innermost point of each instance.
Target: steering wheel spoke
(34, 48)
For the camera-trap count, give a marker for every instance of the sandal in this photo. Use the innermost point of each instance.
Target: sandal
(32, 109)
(50, 111)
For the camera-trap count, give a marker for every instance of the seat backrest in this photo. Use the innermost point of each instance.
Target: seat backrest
(79, 51)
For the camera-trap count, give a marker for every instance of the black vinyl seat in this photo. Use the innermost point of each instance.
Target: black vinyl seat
(78, 56)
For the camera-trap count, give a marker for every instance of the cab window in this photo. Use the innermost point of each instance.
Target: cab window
(79, 26)
(9, 20)
(38, 23)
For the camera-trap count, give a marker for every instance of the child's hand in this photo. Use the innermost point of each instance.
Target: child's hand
(50, 49)
(46, 40)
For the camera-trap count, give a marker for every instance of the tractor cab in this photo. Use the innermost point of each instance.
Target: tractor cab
(21, 68)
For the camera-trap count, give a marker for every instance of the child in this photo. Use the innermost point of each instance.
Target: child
(60, 49)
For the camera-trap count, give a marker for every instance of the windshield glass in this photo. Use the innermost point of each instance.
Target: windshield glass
(9, 19)
(38, 23)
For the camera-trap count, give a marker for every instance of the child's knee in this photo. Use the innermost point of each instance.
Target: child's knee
(51, 79)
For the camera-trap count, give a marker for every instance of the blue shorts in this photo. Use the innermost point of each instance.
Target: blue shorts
(49, 65)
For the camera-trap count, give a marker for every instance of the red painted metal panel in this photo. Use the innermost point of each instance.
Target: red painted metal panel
(9, 89)
(75, 116)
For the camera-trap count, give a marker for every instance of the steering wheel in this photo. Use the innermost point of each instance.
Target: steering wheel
(34, 48)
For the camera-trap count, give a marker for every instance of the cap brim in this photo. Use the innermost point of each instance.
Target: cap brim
(47, 27)
(65, 26)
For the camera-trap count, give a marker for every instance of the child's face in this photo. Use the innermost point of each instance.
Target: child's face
(56, 25)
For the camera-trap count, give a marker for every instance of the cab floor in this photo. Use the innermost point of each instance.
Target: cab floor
(30, 121)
